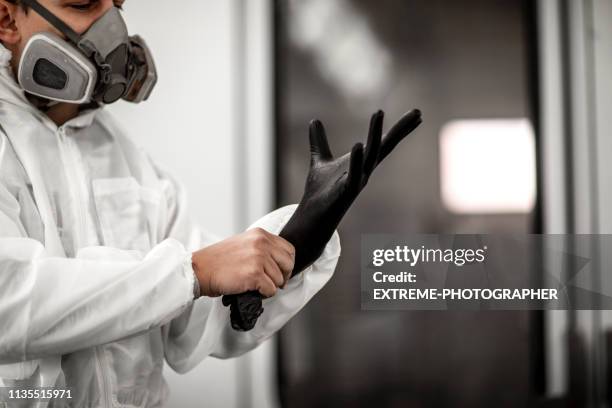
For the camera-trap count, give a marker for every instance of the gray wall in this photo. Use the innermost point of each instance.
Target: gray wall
(208, 123)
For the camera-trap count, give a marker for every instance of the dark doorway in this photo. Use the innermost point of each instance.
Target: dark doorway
(340, 61)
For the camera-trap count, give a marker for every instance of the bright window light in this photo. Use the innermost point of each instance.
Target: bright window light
(488, 166)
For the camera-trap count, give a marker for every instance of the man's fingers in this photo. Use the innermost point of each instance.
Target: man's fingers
(398, 132)
(319, 147)
(266, 286)
(355, 168)
(283, 243)
(272, 269)
(284, 256)
(374, 141)
(285, 259)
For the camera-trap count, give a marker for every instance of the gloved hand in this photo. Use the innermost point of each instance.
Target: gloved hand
(332, 186)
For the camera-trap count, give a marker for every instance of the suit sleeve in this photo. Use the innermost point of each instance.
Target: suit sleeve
(51, 306)
(204, 328)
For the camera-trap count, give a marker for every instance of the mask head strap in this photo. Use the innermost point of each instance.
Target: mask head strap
(54, 20)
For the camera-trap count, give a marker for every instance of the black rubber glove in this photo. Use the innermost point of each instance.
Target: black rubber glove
(332, 186)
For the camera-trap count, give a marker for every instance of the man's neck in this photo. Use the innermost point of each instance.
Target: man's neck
(62, 112)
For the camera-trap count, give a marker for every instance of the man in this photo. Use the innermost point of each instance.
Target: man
(102, 274)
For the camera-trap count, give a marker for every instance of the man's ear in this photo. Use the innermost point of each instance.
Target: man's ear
(9, 33)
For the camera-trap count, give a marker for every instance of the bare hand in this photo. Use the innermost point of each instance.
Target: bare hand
(252, 261)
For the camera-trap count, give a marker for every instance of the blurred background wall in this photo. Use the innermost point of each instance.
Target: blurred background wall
(209, 123)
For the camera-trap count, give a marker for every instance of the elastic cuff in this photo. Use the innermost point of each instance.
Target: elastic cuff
(191, 275)
(196, 287)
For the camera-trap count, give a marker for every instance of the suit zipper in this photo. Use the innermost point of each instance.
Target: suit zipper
(73, 171)
(71, 166)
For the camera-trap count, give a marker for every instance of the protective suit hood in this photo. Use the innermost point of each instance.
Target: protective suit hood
(10, 91)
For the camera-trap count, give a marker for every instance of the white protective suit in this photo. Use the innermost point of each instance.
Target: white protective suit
(96, 282)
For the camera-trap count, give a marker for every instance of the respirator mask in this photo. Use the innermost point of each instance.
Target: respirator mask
(103, 65)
